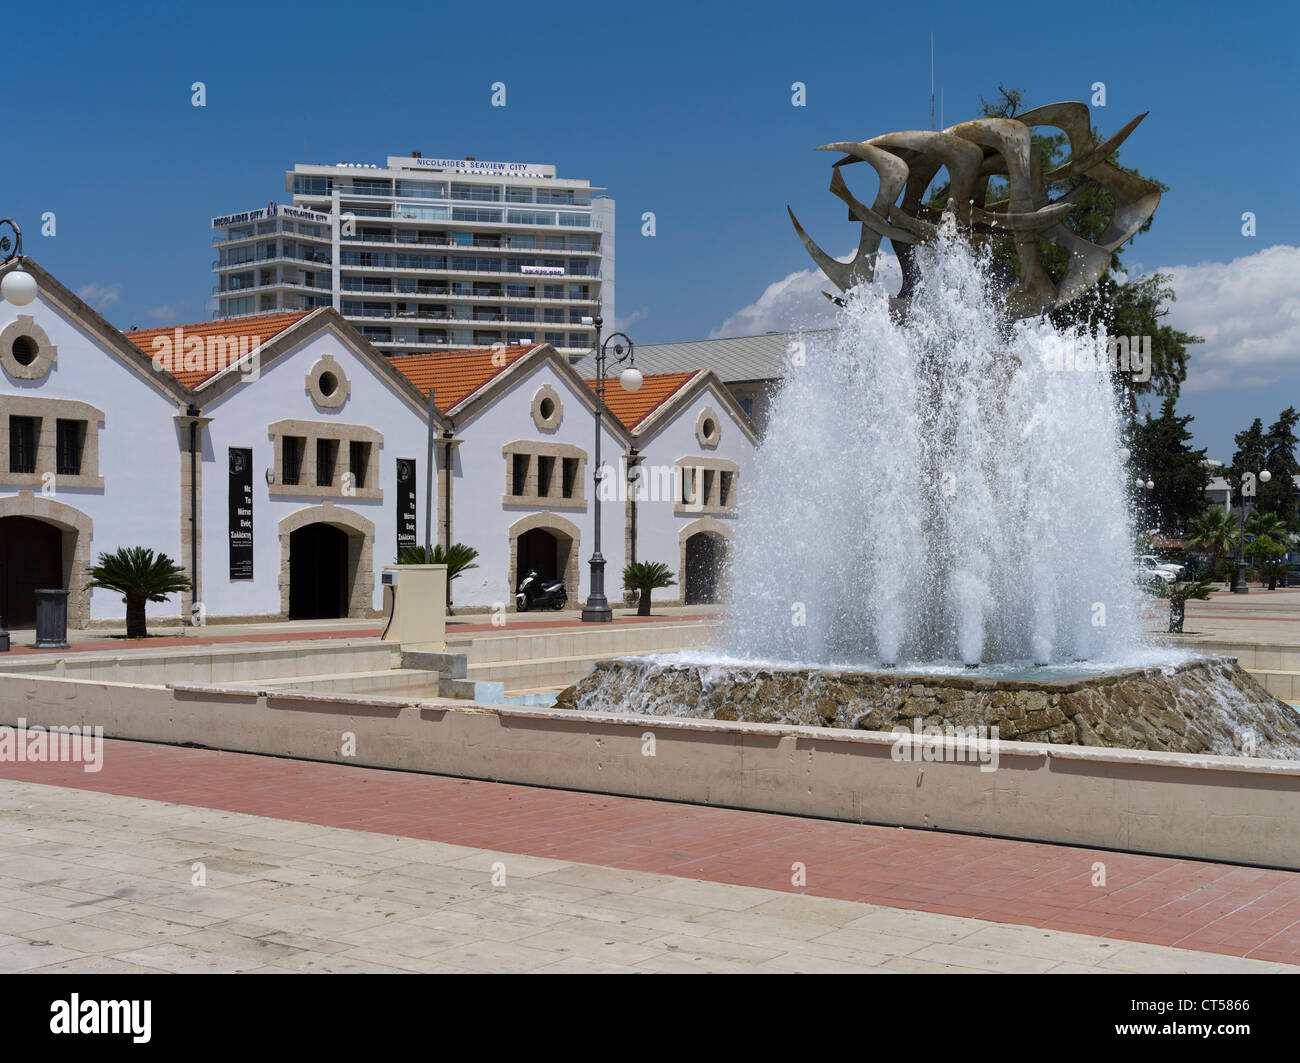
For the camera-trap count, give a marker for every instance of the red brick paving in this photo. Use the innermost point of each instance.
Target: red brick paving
(1218, 908)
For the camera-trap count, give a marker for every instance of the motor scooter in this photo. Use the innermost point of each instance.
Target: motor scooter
(537, 593)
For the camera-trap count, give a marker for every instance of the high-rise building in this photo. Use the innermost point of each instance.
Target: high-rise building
(427, 254)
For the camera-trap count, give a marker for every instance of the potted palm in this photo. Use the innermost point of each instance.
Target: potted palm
(140, 576)
(644, 577)
(458, 558)
(1178, 595)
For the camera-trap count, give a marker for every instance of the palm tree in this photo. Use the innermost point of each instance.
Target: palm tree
(646, 576)
(1178, 595)
(458, 558)
(140, 576)
(1214, 531)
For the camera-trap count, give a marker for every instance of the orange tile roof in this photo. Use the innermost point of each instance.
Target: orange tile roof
(456, 375)
(633, 407)
(258, 329)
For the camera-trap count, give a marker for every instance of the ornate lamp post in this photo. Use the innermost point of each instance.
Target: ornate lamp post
(18, 286)
(1247, 493)
(597, 609)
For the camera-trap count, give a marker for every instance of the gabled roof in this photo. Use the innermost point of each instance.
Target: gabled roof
(85, 315)
(456, 375)
(633, 407)
(259, 329)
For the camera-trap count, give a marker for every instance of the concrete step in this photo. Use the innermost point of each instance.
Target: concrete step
(415, 682)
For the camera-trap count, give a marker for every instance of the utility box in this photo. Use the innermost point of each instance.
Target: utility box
(415, 596)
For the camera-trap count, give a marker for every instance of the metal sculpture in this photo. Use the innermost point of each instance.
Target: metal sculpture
(972, 153)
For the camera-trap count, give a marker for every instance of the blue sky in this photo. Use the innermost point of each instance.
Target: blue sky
(680, 109)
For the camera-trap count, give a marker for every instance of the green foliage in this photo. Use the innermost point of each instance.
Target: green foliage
(1274, 450)
(140, 576)
(1215, 531)
(647, 575)
(458, 558)
(1161, 447)
(1178, 593)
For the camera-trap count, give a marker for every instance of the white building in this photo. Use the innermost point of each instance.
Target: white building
(427, 254)
(281, 461)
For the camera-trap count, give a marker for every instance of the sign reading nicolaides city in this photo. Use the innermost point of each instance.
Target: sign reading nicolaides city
(240, 502)
(271, 210)
(506, 169)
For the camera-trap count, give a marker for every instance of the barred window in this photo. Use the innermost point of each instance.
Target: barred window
(71, 435)
(23, 433)
(292, 457)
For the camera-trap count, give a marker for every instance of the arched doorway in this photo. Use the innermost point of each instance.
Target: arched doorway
(31, 559)
(329, 570)
(318, 562)
(548, 543)
(538, 549)
(705, 554)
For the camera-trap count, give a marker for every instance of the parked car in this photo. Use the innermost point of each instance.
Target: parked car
(1149, 575)
(1172, 566)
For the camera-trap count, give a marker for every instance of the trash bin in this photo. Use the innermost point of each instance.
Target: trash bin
(51, 620)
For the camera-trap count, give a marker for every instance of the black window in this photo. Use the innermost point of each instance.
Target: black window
(291, 452)
(70, 435)
(326, 452)
(707, 491)
(358, 459)
(23, 433)
(570, 473)
(724, 488)
(518, 474)
(545, 472)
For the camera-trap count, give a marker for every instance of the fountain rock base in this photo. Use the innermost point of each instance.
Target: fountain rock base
(1206, 705)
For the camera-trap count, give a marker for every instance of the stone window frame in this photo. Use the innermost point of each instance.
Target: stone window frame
(544, 423)
(704, 438)
(311, 431)
(47, 354)
(534, 449)
(76, 528)
(50, 412)
(360, 532)
(343, 389)
(710, 506)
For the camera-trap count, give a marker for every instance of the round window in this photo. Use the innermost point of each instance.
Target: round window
(25, 350)
(547, 409)
(709, 428)
(328, 384)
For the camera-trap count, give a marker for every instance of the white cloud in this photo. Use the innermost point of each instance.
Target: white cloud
(162, 313)
(796, 302)
(1248, 312)
(100, 296)
(621, 324)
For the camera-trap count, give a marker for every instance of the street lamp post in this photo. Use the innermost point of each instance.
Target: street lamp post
(597, 609)
(1247, 493)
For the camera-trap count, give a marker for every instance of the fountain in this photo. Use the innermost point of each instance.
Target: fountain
(938, 522)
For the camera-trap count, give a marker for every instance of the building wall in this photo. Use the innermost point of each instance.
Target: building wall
(241, 418)
(660, 523)
(138, 449)
(481, 516)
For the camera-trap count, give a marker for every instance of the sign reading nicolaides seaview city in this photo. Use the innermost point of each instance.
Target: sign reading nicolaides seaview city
(240, 502)
(495, 169)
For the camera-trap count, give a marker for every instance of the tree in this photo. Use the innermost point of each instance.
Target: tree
(646, 576)
(1279, 495)
(1121, 305)
(140, 577)
(1250, 457)
(1215, 532)
(1161, 448)
(1178, 595)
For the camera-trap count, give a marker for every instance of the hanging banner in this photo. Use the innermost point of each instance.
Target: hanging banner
(407, 533)
(241, 513)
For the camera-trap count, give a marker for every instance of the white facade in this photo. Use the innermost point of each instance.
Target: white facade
(427, 254)
(316, 397)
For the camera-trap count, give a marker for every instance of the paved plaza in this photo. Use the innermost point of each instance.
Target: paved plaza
(188, 860)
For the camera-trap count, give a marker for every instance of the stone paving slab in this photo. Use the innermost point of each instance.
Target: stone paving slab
(455, 913)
